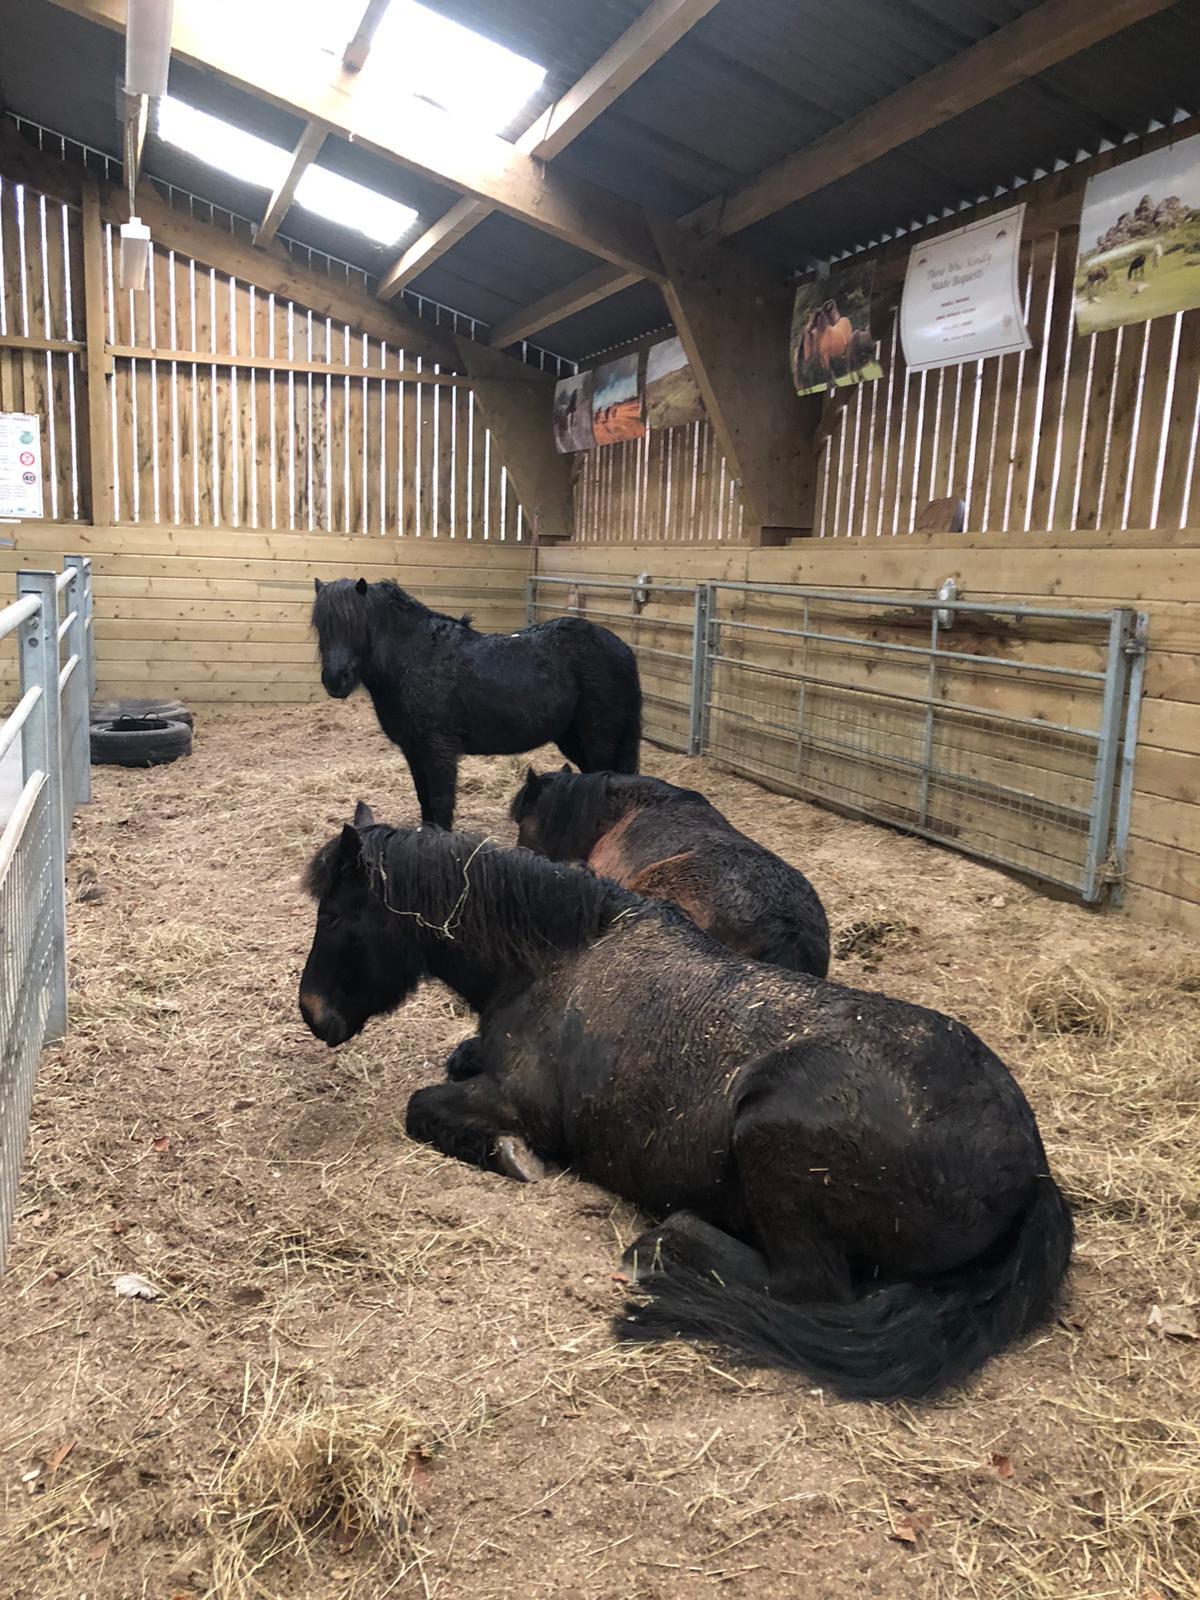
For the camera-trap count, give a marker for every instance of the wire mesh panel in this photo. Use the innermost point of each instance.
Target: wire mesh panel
(655, 621)
(26, 922)
(991, 728)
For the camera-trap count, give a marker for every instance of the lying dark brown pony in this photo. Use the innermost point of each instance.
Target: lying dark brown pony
(673, 844)
(852, 1186)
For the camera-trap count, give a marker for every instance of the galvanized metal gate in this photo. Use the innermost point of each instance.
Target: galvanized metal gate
(52, 722)
(1005, 731)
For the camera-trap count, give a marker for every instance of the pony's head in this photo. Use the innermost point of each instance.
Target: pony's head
(360, 965)
(341, 614)
(558, 814)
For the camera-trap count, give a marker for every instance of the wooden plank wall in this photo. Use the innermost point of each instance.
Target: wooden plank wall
(218, 616)
(1155, 572)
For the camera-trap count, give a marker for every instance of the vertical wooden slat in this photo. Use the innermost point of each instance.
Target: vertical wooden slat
(95, 393)
(1153, 420)
(1105, 357)
(1174, 504)
(1033, 370)
(245, 406)
(1046, 446)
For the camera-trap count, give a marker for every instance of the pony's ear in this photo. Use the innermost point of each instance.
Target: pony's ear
(532, 783)
(566, 767)
(349, 846)
(317, 585)
(364, 817)
(361, 586)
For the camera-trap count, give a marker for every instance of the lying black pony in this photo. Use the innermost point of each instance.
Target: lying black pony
(853, 1186)
(442, 691)
(673, 844)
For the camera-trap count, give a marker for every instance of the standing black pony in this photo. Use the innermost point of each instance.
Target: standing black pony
(442, 691)
(853, 1186)
(673, 844)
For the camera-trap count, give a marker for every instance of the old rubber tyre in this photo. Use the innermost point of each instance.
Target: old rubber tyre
(172, 710)
(140, 741)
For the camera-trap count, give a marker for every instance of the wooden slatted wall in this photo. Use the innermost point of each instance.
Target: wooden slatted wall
(41, 332)
(673, 484)
(1074, 434)
(303, 444)
(228, 407)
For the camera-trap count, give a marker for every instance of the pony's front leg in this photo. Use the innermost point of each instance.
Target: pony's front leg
(435, 778)
(472, 1122)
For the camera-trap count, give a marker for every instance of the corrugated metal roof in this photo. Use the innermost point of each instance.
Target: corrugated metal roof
(752, 82)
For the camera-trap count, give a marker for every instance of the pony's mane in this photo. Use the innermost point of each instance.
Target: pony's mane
(339, 609)
(570, 806)
(523, 909)
(394, 597)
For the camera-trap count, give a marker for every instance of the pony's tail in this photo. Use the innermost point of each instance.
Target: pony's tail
(904, 1342)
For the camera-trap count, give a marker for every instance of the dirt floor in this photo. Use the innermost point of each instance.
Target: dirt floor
(371, 1371)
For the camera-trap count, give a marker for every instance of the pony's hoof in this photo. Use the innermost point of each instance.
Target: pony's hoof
(516, 1160)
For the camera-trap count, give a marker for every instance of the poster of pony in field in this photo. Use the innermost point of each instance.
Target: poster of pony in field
(831, 331)
(1139, 240)
(672, 393)
(617, 402)
(573, 413)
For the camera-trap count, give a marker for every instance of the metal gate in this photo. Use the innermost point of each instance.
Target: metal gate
(52, 721)
(1006, 731)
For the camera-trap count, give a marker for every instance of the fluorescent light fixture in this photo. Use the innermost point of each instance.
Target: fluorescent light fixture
(474, 79)
(352, 205)
(148, 46)
(244, 155)
(222, 145)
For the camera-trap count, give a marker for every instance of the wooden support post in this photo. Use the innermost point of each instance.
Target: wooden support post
(518, 407)
(734, 319)
(97, 457)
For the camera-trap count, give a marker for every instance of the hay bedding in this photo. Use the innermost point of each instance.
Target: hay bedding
(374, 1372)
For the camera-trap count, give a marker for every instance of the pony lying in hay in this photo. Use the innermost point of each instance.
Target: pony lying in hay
(442, 691)
(853, 1186)
(672, 844)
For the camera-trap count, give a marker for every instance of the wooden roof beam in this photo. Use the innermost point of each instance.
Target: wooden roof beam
(1052, 32)
(661, 25)
(409, 131)
(308, 147)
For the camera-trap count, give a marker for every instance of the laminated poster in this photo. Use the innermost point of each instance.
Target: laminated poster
(831, 344)
(1139, 240)
(20, 464)
(573, 413)
(672, 393)
(617, 402)
(962, 297)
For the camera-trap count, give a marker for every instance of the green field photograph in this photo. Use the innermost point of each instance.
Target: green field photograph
(1139, 240)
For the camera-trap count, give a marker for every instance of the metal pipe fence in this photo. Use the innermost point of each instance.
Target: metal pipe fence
(1005, 731)
(52, 720)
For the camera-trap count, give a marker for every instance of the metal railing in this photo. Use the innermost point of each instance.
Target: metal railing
(912, 710)
(52, 720)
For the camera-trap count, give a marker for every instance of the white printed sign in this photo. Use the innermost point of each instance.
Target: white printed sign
(20, 464)
(962, 300)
